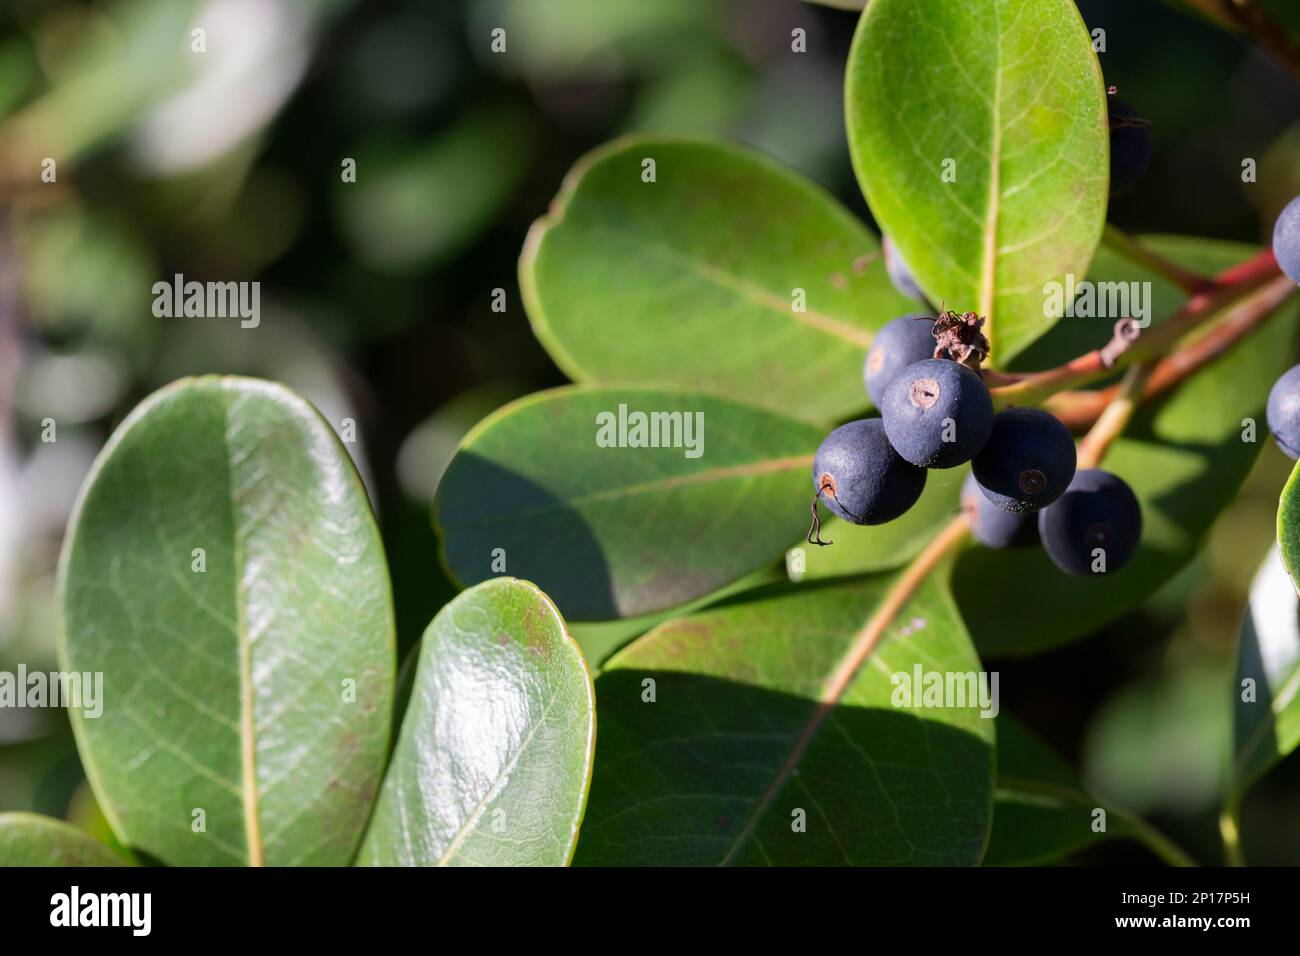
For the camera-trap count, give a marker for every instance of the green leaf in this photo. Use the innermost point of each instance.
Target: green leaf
(29, 839)
(691, 280)
(759, 712)
(978, 132)
(1266, 727)
(494, 758)
(1041, 811)
(1183, 455)
(1288, 525)
(600, 639)
(256, 686)
(622, 531)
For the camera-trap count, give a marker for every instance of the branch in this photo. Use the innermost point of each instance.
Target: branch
(1114, 417)
(1078, 410)
(1226, 288)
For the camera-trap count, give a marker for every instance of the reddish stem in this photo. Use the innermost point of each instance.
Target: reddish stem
(1228, 286)
(1079, 410)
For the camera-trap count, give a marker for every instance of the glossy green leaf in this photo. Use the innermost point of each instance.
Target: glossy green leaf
(1288, 525)
(1041, 811)
(494, 758)
(29, 839)
(722, 735)
(1184, 455)
(728, 273)
(224, 573)
(1266, 722)
(601, 639)
(621, 531)
(978, 133)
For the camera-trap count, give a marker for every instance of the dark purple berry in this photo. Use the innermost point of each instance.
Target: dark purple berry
(902, 341)
(861, 478)
(1095, 527)
(1286, 240)
(1028, 461)
(1284, 412)
(899, 273)
(937, 413)
(1130, 146)
(991, 526)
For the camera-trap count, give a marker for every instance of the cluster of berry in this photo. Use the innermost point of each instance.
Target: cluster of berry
(936, 412)
(1284, 399)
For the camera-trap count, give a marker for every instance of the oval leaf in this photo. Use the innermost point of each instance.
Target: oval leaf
(494, 758)
(224, 573)
(1183, 455)
(28, 839)
(740, 736)
(1041, 811)
(978, 132)
(727, 273)
(1266, 721)
(1288, 525)
(619, 531)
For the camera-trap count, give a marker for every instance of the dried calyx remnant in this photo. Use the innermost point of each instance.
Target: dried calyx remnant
(1126, 333)
(957, 337)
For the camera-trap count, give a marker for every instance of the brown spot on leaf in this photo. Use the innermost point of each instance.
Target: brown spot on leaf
(861, 262)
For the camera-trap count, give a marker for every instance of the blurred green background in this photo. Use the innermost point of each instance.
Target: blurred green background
(377, 295)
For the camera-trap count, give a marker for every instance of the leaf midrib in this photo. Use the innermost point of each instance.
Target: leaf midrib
(899, 595)
(745, 288)
(244, 649)
(503, 777)
(988, 270)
